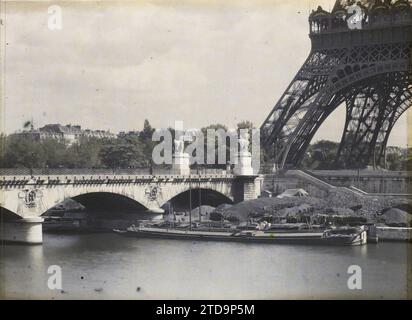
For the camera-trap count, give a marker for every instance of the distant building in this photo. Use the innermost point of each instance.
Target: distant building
(68, 134)
(124, 134)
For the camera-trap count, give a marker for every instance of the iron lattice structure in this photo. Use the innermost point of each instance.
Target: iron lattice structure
(366, 66)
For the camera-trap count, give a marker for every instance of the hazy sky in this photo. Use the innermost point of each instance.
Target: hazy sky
(113, 64)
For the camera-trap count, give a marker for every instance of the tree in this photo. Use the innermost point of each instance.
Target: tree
(28, 125)
(216, 128)
(3, 139)
(23, 152)
(396, 161)
(321, 155)
(85, 153)
(145, 138)
(123, 153)
(147, 132)
(245, 124)
(54, 153)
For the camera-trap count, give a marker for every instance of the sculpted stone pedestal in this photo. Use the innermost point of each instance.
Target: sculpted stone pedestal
(181, 164)
(27, 230)
(244, 164)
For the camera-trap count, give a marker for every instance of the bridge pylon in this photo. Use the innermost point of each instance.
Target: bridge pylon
(28, 230)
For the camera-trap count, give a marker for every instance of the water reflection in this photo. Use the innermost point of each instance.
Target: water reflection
(108, 266)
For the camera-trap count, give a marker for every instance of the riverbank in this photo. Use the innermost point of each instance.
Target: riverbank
(394, 233)
(383, 233)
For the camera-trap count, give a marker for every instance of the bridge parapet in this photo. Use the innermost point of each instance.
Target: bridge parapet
(100, 172)
(52, 180)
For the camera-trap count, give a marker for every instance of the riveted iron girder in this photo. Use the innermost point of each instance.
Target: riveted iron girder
(368, 70)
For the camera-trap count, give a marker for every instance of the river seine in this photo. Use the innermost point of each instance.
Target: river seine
(109, 266)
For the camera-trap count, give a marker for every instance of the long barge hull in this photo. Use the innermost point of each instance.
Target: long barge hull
(306, 239)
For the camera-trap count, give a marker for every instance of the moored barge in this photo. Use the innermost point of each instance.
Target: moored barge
(340, 236)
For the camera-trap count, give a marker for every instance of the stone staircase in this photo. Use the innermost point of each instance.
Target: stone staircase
(278, 182)
(308, 178)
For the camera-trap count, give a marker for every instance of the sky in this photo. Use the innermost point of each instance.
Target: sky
(113, 64)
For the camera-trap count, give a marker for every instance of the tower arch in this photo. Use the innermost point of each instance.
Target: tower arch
(349, 66)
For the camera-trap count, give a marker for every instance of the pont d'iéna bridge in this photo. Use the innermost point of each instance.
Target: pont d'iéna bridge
(25, 198)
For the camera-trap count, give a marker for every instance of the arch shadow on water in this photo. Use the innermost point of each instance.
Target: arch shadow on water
(95, 212)
(98, 204)
(107, 202)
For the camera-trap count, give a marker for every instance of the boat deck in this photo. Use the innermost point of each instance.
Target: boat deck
(258, 234)
(249, 236)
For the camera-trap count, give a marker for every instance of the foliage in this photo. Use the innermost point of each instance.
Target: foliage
(24, 151)
(125, 152)
(135, 151)
(85, 154)
(146, 144)
(321, 155)
(216, 127)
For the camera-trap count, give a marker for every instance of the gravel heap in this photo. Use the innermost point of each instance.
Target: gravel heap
(339, 202)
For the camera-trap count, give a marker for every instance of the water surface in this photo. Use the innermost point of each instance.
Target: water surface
(109, 266)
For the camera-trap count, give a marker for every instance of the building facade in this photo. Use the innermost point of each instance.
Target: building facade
(68, 134)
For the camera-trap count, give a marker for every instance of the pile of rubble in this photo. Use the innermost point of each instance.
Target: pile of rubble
(340, 202)
(368, 206)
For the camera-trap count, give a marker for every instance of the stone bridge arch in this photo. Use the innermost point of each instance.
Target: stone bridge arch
(107, 202)
(200, 196)
(36, 200)
(221, 189)
(29, 198)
